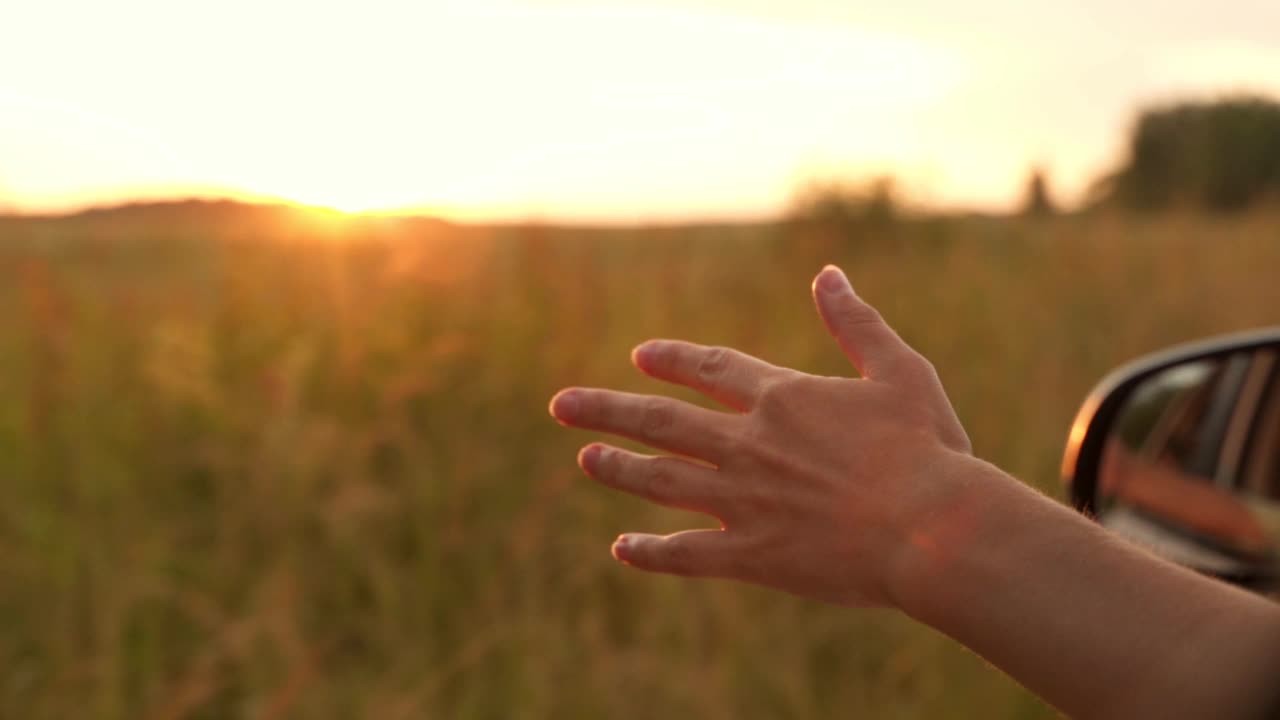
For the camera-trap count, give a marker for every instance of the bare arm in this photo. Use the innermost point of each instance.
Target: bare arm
(1099, 628)
(864, 492)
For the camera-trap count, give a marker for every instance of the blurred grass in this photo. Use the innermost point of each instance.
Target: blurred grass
(262, 464)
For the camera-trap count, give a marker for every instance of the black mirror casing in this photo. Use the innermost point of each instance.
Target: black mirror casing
(1098, 428)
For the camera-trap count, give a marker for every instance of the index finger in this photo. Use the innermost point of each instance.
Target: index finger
(723, 374)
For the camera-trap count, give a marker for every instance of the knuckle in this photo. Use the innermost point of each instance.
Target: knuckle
(712, 365)
(927, 368)
(659, 481)
(730, 440)
(776, 394)
(919, 366)
(656, 416)
(725, 439)
(677, 556)
(738, 447)
(770, 391)
(760, 449)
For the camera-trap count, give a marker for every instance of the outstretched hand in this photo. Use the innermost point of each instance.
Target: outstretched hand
(865, 492)
(825, 487)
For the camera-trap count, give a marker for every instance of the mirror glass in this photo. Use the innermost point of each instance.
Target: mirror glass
(1191, 466)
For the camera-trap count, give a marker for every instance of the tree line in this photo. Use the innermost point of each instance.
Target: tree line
(1221, 155)
(1218, 155)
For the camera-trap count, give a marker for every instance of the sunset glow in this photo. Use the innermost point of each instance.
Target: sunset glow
(561, 109)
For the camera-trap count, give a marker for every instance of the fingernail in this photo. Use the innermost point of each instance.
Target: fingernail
(564, 405)
(622, 548)
(832, 280)
(642, 353)
(588, 458)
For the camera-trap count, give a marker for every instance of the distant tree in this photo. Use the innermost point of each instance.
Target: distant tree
(881, 204)
(1222, 155)
(1037, 201)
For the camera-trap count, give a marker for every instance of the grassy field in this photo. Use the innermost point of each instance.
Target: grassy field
(257, 463)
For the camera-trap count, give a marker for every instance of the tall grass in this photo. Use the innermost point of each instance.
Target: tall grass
(272, 466)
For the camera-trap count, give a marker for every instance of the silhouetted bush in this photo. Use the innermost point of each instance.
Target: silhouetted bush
(840, 205)
(1221, 155)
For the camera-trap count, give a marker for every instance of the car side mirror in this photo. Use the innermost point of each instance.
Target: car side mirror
(1180, 452)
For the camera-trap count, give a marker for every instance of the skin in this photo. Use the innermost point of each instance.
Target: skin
(1165, 490)
(864, 492)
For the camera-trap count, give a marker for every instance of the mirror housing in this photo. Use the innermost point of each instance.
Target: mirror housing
(1163, 451)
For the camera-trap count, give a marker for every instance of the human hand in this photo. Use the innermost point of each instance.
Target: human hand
(823, 485)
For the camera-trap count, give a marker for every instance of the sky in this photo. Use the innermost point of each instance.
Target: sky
(595, 111)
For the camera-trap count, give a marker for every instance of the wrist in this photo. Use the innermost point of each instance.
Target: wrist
(944, 543)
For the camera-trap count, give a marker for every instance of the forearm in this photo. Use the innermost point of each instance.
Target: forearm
(1095, 626)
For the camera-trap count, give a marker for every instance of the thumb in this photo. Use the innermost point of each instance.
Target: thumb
(869, 343)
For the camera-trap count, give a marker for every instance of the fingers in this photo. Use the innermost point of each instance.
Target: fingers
(660, 422)
(869, 343)
(667, 481)
(695, 553)
(724, 374)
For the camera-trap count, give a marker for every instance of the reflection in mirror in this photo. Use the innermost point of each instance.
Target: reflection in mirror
(1191, 467)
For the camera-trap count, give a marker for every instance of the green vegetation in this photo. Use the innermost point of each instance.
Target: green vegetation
(1222, 155)
(259, 463)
